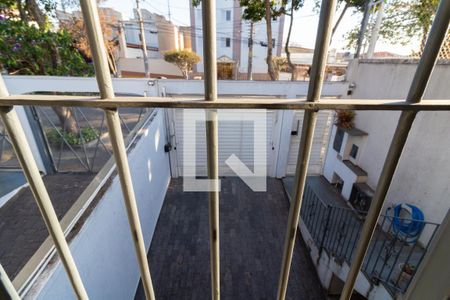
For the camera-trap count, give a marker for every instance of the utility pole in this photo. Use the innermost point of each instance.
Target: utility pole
(143, 43)
(250, 53)
(168, 9)
(362, 30)
(376, 29)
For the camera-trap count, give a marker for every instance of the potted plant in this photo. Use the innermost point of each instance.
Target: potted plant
(344, 118)
(406, 272)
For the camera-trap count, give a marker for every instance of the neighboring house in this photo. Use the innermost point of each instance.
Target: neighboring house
(302, 58)
(233, 35)
(161, 35)
(355, 157)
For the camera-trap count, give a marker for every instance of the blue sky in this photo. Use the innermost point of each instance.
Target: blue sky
(304, 29)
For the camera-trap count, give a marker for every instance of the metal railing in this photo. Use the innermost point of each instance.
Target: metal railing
(86, 146)
(392, 257)
(109, 103)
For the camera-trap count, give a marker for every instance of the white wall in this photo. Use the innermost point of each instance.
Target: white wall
(285, 89)
(422, 176)
(156, 66)
(103, 249)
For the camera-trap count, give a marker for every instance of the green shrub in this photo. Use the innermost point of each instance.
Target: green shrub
(87, 135)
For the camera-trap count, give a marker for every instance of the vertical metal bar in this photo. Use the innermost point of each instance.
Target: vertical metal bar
(395, 261)
(327, 221)
(330, 233)
(335, 244)
(318, 222)
(210, 71)
(31, 171)
(7, 290)
(354, 229)
(386, 234)
(348, 219)
(316, 219)
(309, 122)
(389, 253)
(99, 55)
(374, 241)
(417, 89)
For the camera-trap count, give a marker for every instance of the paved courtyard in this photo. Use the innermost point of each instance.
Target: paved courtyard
(251, 234)
(22, 230)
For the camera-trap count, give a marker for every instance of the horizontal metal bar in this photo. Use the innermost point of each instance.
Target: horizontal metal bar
(227, 103)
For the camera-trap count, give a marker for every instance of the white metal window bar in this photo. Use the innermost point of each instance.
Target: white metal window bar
(311, 105)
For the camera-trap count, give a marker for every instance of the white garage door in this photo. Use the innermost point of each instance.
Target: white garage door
(235, 137)
(320, 142)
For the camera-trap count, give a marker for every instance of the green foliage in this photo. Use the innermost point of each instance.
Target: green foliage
(407, 19)
(404, 20)
(87, 135)
(357, 4)
(255, 10)
(183, 59)
(27, 50)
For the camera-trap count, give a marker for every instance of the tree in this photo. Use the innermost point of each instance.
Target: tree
(404, 20)
(183, 59)
(77, 29)
(28, 50)
(295, 5)
(257, 10)
(279, 64)
(356, 4)
(408, 19)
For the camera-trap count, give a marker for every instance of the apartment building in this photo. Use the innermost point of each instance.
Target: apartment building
(233, 36)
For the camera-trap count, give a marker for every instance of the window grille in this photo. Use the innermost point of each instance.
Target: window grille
(312, 104)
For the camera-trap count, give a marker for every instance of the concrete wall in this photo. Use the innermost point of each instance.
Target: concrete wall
(156, 67)
(422, 177)
(103, 249)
